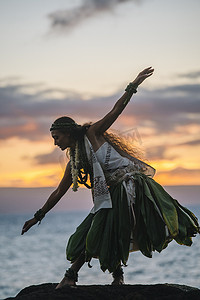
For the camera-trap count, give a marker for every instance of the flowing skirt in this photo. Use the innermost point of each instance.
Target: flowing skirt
(106, 235)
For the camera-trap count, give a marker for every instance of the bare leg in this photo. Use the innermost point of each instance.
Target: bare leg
(75, 267)
(118, 278)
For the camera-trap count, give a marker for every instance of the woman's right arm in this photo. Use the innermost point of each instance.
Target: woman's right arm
(53, 199)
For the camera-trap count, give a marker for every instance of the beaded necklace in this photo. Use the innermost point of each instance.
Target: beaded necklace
(74, 159)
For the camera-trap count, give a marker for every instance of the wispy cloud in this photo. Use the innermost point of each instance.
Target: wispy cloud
(160, 152)
(48, 158)
(191, 143)
(157, 152)
(182, 172)
(53, 157)
(191, 75)
(70, 18)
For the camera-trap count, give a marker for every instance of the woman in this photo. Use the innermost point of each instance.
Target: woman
(131, 211)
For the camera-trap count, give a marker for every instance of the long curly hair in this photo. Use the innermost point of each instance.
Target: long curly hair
(77, 132)
(123, 145)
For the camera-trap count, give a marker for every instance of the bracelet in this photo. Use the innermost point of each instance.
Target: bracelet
(39, 215)
(131, 88)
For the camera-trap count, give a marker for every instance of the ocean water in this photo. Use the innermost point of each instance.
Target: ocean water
(39, 256)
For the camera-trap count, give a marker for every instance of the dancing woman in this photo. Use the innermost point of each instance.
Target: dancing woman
(131, 211)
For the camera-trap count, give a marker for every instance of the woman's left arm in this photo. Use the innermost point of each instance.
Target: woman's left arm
(102, 125)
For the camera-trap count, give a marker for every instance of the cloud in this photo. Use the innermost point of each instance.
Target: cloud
(182, 172)
(191, 75)
(29, 115)
(48, 158)
(156, 153)
(70, 18)
(169, 107)
(179, 176)
(160, 152)
(191, 143)
(53, 157)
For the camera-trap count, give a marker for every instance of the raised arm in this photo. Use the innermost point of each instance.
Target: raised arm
(102, 125)
(53, 199)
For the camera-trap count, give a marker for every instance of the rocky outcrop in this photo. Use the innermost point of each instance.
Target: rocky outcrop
(166, 291)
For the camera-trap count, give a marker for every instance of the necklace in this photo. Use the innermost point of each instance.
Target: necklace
(74, 160)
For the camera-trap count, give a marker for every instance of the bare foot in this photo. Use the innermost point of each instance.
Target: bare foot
(66, 281)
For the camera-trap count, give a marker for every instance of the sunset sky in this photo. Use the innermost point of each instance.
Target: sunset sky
(75, 58)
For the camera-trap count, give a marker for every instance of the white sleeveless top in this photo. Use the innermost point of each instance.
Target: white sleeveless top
(106, 161)
(110, 159)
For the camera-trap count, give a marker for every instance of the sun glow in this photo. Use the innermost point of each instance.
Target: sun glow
(177, 165)
(19, 168)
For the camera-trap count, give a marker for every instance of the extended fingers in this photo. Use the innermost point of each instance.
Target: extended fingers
(143, 75)
(148, 74)
(147, 71)
(25, 228)
(23, 231)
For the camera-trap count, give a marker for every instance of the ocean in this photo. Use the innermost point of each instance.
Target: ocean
(39, 256)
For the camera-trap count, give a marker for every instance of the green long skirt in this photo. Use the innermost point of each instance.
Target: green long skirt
(159, 219)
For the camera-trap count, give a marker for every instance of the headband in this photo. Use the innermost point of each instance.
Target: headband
(56, 126)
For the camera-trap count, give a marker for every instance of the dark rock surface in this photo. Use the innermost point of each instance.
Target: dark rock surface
(166, 291)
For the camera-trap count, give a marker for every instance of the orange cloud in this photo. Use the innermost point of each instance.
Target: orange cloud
(179, 176)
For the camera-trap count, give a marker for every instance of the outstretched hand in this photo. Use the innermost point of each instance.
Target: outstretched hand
(143, 75)
(28, 224)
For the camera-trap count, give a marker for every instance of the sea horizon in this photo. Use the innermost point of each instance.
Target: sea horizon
(17, 200)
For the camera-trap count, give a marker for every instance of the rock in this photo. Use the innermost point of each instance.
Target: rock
(166, 291)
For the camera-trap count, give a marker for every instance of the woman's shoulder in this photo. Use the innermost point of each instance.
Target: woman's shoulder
(96, 140)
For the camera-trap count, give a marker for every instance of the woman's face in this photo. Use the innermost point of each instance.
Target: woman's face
(62, 140)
